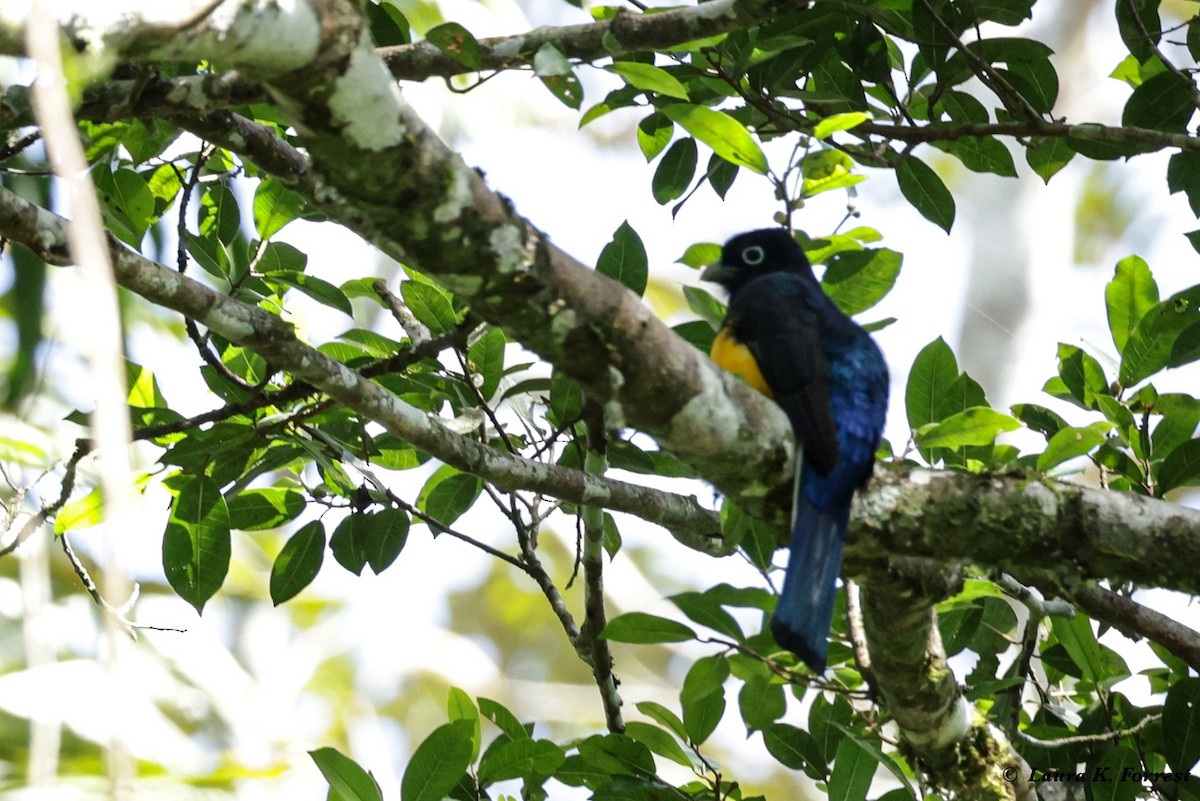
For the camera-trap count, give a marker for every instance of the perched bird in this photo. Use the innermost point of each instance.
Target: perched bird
(785, 336)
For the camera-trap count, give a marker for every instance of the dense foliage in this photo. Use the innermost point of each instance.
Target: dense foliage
(859, 88)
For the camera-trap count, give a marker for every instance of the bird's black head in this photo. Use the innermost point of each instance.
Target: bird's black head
(755, 253)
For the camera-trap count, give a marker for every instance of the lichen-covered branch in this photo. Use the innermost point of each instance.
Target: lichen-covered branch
(625, 33)
(1071, 532)
(954, 744)
(275, 340)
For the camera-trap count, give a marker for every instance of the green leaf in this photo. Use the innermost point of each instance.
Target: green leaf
(922, 187)
(594, 113)
(649, 78)
(298, 563)
(1036, 81)
(701, 715)
(196, 543)
(220, 216)
(566, 400)
(654, 133)
(976, 426)
(275, 205)
(658, 741)
(1181, 725)
(576, 771)
(962, 393)
(1067, 443)
(617, 755)
(1076, 635)
(624, 259)
(1154, 343)
(126, 203)
(644, 628)
(1128, 297)
(318, 289)
(853, 770)
(728, 138)
(387, 531)
(504, 719)
(448, 494)
(1114, 764)
(700, 255)
(886, 760)
(857, 280)
(795, 748)
(707, 307)
(675, 171)
(984, 154)
(665, 717)
(486, 358)
(1135, 18)
(431, 305)
(825, 721)
(838, 88)
(1181, 468)
(963, 108)
(567, 89)
(350, 542)
(1082, 375)
(557, 75)
(1183, 175)
(1039, 418)
(838, 122)
(761, 702)
(456, 42)
(720, 174)
(707, 675)
(1165, 102)
(347, 781)
(518, 758)
(550, 61)
(438, 763)
(707, 611)
(280, 257)
(388, 24)
(1046, 156)
(933, 371)
(80, 513)
(261, 509)
(827, 170)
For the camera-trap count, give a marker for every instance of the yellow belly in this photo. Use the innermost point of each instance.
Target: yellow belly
(735, 357)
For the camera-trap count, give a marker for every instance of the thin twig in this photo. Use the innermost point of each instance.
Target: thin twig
(66, 487)
(596, 461)
(1086, 739)
(118, 614)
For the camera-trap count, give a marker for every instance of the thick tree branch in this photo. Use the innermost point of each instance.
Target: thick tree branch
(625, 33)
(1125, 615)
(1070, 532)
(275, 340)
(955, 745)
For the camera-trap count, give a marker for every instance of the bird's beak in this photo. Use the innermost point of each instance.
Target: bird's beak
(717, 272)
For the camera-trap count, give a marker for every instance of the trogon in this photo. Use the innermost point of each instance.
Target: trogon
(789, 340)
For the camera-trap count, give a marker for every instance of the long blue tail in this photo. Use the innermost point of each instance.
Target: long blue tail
(805, 610)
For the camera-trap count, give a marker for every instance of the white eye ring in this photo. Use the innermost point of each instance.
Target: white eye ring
(753, 255)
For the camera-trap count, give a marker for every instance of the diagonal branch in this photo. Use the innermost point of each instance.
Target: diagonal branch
(275, 340)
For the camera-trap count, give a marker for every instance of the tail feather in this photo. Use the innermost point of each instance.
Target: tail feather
(805, 609)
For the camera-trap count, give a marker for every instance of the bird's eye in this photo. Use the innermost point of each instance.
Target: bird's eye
(753, 255)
